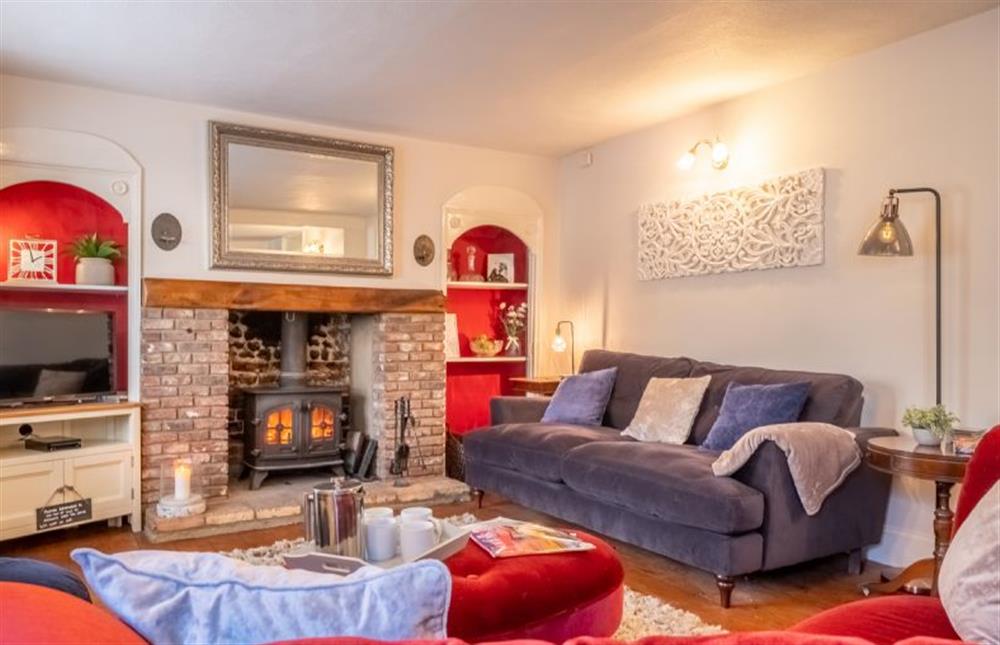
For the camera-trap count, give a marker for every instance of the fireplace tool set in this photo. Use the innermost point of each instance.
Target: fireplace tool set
(400, 465)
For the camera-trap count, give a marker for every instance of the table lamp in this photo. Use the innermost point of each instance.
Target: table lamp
(559, 343)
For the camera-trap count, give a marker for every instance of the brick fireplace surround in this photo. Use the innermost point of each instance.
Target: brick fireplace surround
(191, 370)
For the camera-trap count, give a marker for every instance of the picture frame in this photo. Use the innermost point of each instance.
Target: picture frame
(500, 267)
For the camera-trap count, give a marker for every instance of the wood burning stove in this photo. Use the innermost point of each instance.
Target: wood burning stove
(293, 425)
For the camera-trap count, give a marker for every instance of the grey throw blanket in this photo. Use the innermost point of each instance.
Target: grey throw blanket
(820, 456)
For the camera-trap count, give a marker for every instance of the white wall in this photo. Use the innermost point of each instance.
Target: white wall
(921, 112)
(169, 140)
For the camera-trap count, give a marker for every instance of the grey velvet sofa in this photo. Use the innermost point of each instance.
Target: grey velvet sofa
(664, 498)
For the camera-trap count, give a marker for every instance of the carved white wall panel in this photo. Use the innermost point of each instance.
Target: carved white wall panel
(774, 225)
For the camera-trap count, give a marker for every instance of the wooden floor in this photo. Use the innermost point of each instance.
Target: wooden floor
(766, 601)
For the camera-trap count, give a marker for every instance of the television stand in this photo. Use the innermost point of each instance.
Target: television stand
(104, 469)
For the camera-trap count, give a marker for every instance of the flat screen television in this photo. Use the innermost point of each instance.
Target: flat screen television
(54, 355)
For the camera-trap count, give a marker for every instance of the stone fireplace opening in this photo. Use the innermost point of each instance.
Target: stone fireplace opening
(219, 387)
(297, 417)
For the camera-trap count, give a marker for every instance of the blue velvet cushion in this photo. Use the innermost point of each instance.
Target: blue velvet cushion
(582, 398)
(43, 574)
(745, 407)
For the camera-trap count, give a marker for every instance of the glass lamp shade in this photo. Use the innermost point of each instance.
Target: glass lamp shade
(886, 238)
(559, 343)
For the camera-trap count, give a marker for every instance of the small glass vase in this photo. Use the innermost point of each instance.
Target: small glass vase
(512, 346)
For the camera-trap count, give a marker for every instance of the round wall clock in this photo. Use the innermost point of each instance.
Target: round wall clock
(32, 260)
(423, 250)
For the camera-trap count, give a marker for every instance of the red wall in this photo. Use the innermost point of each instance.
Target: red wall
(470, 386)
(57, 211)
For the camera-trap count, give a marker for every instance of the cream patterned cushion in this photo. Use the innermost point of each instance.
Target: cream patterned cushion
(667, 409)
(968, 583)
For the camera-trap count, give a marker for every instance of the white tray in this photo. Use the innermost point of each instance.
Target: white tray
(453, 540)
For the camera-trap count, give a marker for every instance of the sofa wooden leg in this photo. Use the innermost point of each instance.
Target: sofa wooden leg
(480, 494)
(856, 562)
(725, 585)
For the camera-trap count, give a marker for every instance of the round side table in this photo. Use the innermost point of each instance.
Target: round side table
(901, 455)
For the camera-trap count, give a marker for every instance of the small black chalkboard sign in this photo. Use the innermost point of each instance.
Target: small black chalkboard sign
(48, 517)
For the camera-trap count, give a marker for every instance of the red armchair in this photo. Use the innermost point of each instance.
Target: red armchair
(890, 619)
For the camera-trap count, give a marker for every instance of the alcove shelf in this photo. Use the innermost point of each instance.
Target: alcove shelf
(473, 380)
(488, 359)
(490, 286)
(67, 288)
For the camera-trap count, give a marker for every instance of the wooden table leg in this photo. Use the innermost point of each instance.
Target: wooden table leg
(921, 576)
(943, 524)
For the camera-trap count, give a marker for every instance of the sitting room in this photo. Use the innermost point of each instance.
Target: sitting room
(587, 322)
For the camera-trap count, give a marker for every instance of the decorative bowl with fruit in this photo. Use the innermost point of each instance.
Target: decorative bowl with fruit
(484, 346)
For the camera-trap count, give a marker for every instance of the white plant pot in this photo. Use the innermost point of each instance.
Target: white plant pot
(95, 271)
(925, 437)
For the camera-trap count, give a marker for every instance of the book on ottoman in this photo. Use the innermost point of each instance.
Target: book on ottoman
(506, 538)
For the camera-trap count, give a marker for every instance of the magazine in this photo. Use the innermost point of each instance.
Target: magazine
(506, 538)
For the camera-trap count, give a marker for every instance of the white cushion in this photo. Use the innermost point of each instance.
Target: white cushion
(667, 409)
(175, 597)
(969, 581)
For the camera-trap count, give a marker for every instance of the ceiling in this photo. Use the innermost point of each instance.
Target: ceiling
(543, 77)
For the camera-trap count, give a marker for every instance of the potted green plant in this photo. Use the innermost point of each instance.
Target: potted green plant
(94, 258)
(929, 425)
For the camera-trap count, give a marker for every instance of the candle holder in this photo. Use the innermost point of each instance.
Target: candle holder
(180, 489)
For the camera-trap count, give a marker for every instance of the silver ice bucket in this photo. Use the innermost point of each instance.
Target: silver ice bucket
(333, 515)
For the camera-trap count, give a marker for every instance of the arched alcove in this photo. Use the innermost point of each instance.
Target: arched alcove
(60, 185)
(481, 222)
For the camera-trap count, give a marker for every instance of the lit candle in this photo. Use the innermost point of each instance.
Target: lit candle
(182, 481)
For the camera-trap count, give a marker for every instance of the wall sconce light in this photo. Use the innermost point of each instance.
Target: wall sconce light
(720, 155)
(559, 343)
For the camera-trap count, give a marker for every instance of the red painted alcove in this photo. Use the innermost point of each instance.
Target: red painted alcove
(61, 212)
(470, 386)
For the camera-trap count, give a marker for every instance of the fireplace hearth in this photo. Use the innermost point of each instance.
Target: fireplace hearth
(293, 425)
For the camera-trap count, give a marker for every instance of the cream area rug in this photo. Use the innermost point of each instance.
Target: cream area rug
(642, 615)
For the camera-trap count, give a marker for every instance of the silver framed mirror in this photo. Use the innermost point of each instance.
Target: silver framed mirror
(293, 202)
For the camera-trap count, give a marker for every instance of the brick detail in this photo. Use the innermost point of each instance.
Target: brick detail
(185, 395)
(408, 360)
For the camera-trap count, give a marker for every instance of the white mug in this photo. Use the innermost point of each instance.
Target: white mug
(378, 511)
(421, 513)
(380, 538)
(416, 537)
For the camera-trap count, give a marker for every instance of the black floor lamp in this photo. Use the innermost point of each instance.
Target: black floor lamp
(889, 238)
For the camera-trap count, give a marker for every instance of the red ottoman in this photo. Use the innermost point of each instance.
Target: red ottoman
(546, 597)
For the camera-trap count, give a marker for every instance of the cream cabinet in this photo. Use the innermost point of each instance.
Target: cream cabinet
(105, 469)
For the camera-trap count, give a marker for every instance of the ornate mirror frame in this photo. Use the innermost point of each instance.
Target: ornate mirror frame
(221, 135)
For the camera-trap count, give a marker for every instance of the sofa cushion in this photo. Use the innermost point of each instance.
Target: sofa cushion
(634, 372)
(833, 398)
(30, 614)
(673, 483)
(746, 407)
(667, 409)
(533, 448)
(968, 583)
(180, 597)
(582, 398)
(45, 574)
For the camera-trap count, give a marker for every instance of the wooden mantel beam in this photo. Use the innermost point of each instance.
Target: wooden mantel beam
(257, 296)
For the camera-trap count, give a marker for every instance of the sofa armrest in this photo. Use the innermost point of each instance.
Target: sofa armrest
(862, 435)
(517, 409)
